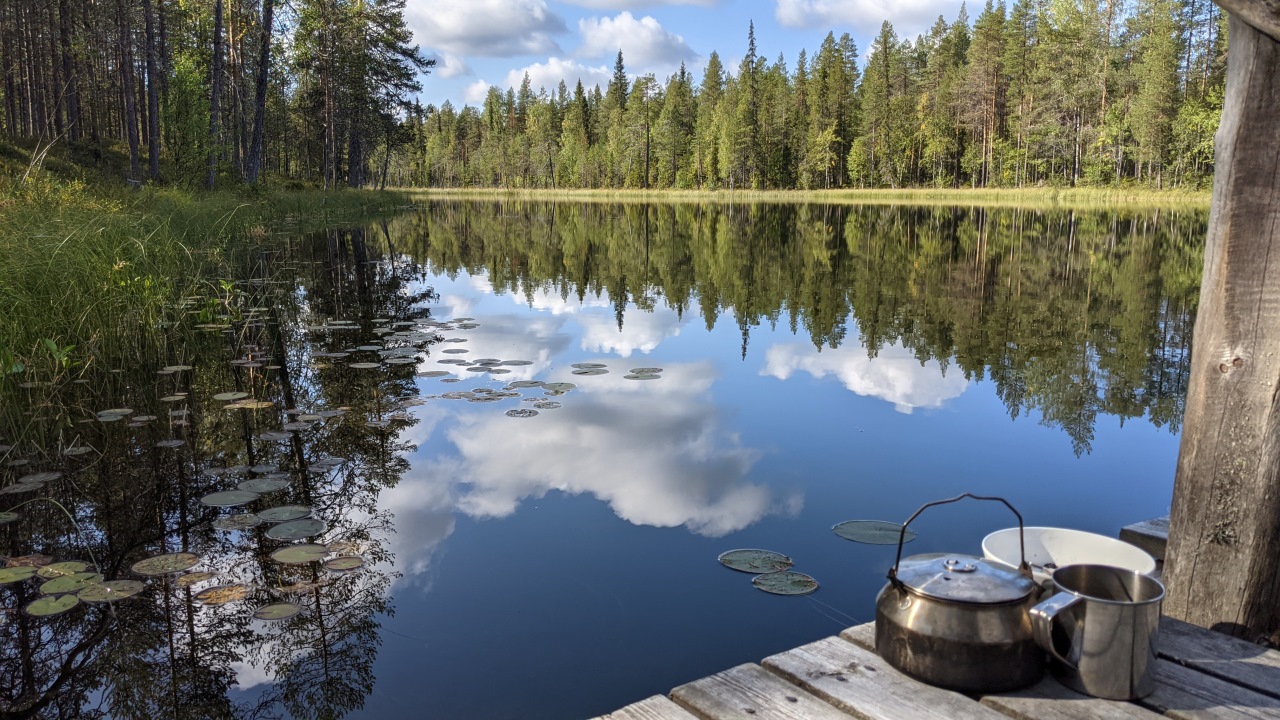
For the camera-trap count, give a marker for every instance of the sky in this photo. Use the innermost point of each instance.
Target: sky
(483, 43)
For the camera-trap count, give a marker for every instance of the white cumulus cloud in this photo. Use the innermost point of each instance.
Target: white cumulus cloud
(894, 375)
(549, 74)
(492, 28)
(646, 45)
(863, 17)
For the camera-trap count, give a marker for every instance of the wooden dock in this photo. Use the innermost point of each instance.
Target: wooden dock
(1202, 675)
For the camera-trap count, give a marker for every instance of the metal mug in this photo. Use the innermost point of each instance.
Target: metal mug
(1100, 630)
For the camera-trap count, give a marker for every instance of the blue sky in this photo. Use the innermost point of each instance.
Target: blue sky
(478, 43)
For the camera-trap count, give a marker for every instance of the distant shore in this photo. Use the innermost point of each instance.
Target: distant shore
(1084, 198)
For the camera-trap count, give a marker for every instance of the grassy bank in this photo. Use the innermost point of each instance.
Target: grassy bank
(1081, 198)
(93, 271)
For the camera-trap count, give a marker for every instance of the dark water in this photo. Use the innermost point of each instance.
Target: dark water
(818, 364)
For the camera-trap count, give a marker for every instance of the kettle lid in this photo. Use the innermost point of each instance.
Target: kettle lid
(962, 579)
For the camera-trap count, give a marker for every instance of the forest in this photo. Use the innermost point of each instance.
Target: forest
(330, 92)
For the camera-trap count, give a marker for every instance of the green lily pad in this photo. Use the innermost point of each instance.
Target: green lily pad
(263, 485)
(559, 387)
(277, 611)
(7, 517)
(432, 373)
(77, 450)
(521, 413)
(21, 487)
(546, 405)
(16, 574)
(642, 376)
(284, 513)
(364, 365)
(590, 371)
(519, 384)
(229, 396)
(51, 605)
(62, 569)
(785, 583)
(111, 590)
(241, 521)
(346, 563)
(297, 529)
(589, 366)
(166, 564)
(264, 468)
(299, 554)
(192, 578)
(646, 371)
(70, 584)
(873, 532)
(173, 443)
(40, 477)
(755, 561)
(229, 498)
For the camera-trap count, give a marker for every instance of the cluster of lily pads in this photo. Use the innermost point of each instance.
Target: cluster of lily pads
(772, 571)
(64, 585)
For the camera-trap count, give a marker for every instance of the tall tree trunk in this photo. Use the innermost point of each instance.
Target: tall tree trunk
(1223, 565)
(153, 96)
(253, 164)
(128, 88)
(215, 95)
(68, 72)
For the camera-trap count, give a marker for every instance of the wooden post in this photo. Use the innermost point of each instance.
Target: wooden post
(1223, 563)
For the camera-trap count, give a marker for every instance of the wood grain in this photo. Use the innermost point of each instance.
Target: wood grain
(749, 692)
(657, 707)
(1051, 700)
(1222, 656)
(858, 681)
(1186, 694)
(1152, 536)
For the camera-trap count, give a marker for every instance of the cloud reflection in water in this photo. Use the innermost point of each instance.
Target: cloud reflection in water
(894, 375)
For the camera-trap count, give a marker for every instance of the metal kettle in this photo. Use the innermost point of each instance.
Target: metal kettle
(959, 621)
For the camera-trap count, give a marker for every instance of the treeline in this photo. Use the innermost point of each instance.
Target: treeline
(213, 88)
(1059, 92)
(1069, 314)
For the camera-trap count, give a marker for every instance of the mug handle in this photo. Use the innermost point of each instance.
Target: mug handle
(1042, 619)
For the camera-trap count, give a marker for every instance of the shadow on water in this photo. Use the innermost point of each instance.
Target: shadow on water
(295, 378)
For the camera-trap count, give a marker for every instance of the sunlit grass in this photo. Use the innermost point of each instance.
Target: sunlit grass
(1079, 198)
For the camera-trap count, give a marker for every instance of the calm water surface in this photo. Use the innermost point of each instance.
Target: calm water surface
(817, 364)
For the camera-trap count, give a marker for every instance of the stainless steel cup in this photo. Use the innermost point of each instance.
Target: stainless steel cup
(1100, 630)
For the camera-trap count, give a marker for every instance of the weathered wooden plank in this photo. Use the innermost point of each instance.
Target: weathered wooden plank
(1223, 656)
(1186, 694)
(657, 707)
(1051, 700)
(858, 681)
(864, 636)
(749, 692)
(1264, 15)
(1150, 535)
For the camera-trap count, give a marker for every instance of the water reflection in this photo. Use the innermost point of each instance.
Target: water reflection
(1067, 317)
(894, 375)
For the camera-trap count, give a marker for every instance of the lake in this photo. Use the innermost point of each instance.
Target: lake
(479, 459)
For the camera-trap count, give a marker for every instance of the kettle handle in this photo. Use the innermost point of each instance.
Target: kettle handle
(1023, 567)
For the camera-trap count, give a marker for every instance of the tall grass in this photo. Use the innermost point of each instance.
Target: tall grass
(92, 276)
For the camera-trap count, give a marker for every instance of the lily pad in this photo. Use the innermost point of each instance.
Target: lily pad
(641, 376)
(166, 564)
(297, 529)
(873, 532)
(111, 590)
(16, 574)
(264, 468)
(241, 521)
(433, 373)
(589, 366)
(21, 487)
(559, 387)
(77, 451)
(229, 396)
(755, 561)
(40, 477)
(173, 443)
(229, 498)
(7, 517)
(52, 605)
(192, 578)
(785, 583)
(519, 384)
(364, 365)
(646, 371)
(263, 485)
(250, 405)
(521, 413)
(284, 513)
(277, 611)
(546, 405)
(221, 595)
(62, 569)
(71, 583)
(590, 371)
(346, 563)
(300, 554)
